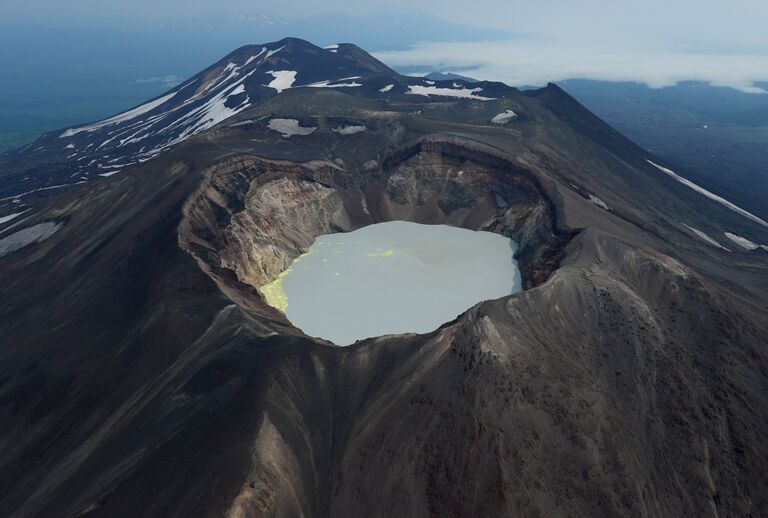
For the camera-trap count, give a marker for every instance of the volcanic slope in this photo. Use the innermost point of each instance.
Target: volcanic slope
(143, 373)
(69, 157)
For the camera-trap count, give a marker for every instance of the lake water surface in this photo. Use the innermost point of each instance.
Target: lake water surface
(395, 277)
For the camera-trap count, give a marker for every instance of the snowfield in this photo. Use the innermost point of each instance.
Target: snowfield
(208, 115)
(504, 117)
(289, 127)
(254, 58)
(9, 217)
(701, 235)
(744, 242)
(597, 201)
(336, 84)
(464, 93)
(348, 130)
(708, 194)
(387, 89)
(130, 114)
(273, 52)
(283, 79)
(28, 236)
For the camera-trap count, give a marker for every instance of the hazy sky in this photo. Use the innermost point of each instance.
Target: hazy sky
(657, 42)
(699, 24)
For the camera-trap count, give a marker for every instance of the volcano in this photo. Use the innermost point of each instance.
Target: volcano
(143, 372)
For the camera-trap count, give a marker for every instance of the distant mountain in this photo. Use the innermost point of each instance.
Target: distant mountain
(447, 76)
(41, 91)
(242, 79)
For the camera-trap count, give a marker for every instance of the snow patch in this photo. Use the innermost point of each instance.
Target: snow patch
(28, 236)
(17, 197)
(70, 146)
(9, 217)
(108, 174)
(273, 52)
(206, 116)
(283, 79)
(387, 89)
(708, 194)
(504, 117)
(254, 58)
(743, 241)
(289, 127)
(247, 122)
(465, 93)
(701, 235)
(239, 90)
(349, 130)
(231, 70)
(130, 114)
(597, 201)
(327, 83)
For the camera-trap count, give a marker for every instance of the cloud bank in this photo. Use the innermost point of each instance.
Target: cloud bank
(168, 81)
(530, 62)
(657, 42)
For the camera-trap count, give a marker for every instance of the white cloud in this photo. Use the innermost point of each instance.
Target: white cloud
(171, 80)
(534, 61)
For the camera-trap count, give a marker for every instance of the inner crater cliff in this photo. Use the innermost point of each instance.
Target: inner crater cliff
(251, 217)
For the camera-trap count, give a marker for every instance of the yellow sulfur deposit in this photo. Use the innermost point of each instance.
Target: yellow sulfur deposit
(388, 253)
(273, 292)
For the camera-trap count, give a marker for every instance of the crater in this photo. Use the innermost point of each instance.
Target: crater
(252, 217)
(392, 278)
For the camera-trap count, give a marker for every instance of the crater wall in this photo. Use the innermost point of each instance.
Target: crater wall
(251, 216)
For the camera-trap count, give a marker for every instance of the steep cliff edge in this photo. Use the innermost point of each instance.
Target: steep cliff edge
(252, 217)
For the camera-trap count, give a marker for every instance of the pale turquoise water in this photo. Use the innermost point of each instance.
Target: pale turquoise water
(396, 277)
